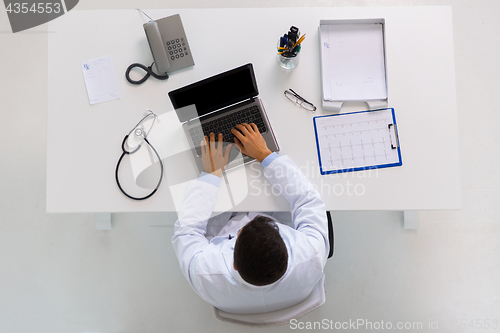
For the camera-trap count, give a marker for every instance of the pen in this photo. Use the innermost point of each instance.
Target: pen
(301, 39)
(289, 45)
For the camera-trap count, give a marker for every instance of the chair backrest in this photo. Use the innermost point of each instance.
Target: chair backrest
(279, 317)
(331, 237)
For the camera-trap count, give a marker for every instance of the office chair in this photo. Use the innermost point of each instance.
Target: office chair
(283, 316)
(331, 238)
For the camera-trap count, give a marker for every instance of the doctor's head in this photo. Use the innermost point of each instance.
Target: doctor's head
(260, 255)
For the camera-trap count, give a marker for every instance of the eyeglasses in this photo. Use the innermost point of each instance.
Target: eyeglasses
(294, 97)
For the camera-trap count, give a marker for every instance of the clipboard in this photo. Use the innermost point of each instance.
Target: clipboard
(357, 141)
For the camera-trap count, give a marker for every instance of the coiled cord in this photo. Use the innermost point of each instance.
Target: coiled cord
(148, 70)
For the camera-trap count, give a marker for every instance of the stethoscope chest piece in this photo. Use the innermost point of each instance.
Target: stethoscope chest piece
(139, 132)
(136, 138)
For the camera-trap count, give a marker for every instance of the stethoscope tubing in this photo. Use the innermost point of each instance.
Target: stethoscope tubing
(127, 152)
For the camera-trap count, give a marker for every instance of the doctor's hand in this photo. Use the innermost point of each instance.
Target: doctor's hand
(213, 158)
(250, 142)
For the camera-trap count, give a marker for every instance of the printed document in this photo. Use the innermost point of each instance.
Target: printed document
(100, 79)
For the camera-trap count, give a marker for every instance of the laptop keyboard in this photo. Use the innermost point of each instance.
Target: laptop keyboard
(225, 124)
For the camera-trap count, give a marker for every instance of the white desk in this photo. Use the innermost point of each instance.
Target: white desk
(84, 141)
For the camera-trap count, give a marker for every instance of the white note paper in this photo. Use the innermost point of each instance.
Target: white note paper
(100, 79)
(353, 66)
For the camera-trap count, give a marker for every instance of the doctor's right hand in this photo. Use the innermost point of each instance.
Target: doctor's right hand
(213, 158)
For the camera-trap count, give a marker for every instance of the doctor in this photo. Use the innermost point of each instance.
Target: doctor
(255, 264)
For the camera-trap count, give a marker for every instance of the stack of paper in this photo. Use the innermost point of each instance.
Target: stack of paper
(353, 66)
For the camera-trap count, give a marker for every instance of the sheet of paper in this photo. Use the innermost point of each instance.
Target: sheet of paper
(353, 65)
(100, 79)
(356, 140)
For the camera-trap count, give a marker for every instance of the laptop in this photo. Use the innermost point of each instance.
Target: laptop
(218, 103)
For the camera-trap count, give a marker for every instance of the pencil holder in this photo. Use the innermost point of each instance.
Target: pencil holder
(288, 60)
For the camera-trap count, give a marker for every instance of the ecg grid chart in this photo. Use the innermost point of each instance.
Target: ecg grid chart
(354, 141)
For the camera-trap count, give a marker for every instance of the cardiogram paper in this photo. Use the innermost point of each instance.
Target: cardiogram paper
(349, 142)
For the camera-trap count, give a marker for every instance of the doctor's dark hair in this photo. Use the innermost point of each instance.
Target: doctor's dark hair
(260, 255)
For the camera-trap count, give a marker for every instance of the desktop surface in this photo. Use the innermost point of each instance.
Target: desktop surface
(84, 142)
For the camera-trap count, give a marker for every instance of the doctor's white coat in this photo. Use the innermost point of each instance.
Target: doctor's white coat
(208, 265)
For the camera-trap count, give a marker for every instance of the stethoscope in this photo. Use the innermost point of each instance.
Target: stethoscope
(139, 136)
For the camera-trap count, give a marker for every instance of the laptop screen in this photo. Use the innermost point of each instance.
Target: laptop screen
(214, 93)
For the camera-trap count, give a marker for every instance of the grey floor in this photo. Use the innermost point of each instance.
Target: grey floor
(59, 274)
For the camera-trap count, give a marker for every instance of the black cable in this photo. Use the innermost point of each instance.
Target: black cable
(125, 152)
(149, 72)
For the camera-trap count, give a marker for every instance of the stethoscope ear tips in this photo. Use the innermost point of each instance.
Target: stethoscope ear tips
(155, 115)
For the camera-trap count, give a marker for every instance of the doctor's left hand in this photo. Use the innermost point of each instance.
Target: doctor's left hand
(214, 159)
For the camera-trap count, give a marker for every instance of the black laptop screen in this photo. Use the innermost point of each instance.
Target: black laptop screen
(215, 92)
